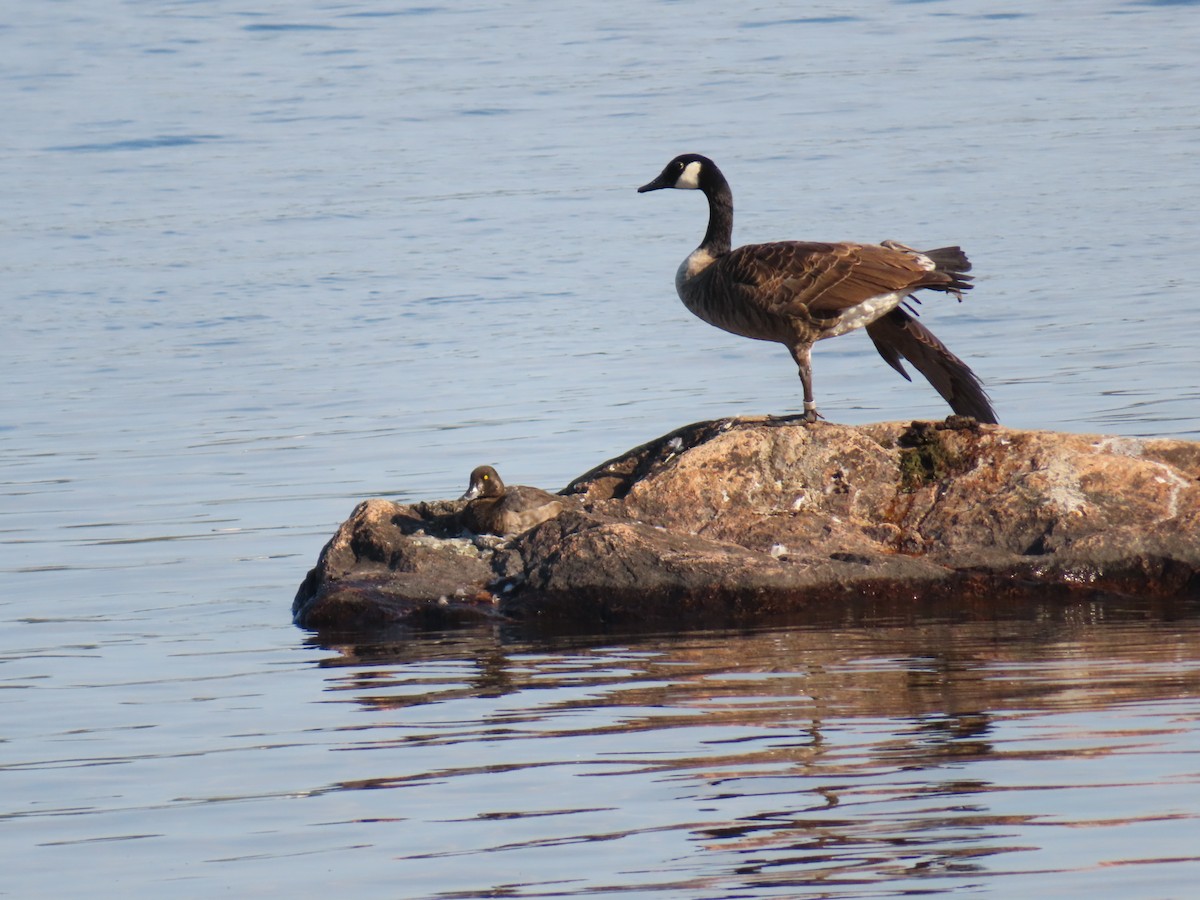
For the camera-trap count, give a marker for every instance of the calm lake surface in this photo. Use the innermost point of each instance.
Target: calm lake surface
(261, 262)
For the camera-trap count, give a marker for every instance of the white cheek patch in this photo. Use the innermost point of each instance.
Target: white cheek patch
(689, 178)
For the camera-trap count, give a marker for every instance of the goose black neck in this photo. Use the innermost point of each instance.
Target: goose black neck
(718, 238)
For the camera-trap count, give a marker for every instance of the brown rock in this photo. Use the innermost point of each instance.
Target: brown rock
(391, 564)
(750, 520)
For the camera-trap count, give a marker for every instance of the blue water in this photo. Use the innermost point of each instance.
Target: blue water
(262, 262)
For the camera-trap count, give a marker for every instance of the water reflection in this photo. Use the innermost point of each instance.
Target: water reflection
(816, 758)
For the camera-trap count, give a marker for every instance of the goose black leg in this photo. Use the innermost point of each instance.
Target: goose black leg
(802, 354)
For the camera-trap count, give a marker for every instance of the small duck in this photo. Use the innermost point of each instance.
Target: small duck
(496, 509)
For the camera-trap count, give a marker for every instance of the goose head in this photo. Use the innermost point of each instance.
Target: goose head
(485, 482)
(684, 172)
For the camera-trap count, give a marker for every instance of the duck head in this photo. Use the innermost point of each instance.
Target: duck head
(485, 482)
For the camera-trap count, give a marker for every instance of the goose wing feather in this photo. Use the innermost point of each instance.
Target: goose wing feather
(899, 334)
(801, 278)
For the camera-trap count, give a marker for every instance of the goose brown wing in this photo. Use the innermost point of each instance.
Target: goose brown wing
(898, 334)
(795, 278)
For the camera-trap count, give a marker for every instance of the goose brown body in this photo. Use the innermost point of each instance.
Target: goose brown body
(495, 508)
(799, 292)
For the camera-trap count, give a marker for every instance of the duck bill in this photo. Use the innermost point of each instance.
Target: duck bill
(471, 494)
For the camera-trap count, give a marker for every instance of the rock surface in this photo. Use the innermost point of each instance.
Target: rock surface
(741, 521)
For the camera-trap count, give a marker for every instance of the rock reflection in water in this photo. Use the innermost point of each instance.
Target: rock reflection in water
(811, 758)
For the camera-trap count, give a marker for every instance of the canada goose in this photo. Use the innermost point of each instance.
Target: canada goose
(800, 292)
(496, 509)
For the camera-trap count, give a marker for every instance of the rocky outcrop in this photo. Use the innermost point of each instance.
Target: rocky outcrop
(742, 521)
